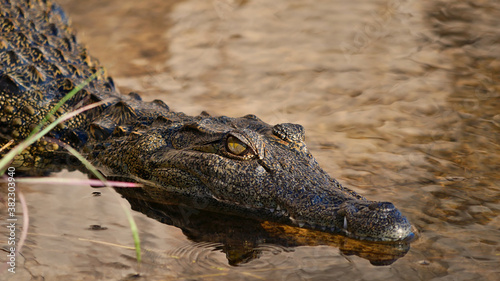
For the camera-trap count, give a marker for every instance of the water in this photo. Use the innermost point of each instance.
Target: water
(399, 100)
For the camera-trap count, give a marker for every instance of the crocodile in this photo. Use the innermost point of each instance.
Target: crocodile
(239, 165)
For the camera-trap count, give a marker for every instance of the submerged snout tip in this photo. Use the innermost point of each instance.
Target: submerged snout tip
(375, 221)
(402, 231)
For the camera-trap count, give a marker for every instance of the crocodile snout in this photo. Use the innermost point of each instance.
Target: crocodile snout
(370, 220)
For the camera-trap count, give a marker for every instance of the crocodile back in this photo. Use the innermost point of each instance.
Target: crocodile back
(41, 62)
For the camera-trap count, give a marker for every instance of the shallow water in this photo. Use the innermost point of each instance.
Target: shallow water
(400, 101)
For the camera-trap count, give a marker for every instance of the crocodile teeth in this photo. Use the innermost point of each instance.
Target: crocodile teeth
(272, 210)
(345, 223)
(301, 224)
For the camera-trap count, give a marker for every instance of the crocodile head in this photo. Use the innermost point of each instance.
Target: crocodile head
(249, 164)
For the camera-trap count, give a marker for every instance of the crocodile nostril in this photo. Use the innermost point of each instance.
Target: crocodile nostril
(382, 206)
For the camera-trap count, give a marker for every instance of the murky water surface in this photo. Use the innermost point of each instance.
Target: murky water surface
(400, 101)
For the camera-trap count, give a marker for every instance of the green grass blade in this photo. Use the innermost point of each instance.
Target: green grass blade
(64, 100)
(131, 221)
(4, 162)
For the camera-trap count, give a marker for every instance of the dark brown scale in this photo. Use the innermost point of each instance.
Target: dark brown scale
(34, 75)
(52, 70)
(6, 26)
(35, 55)
(9, 58)
(18, 39)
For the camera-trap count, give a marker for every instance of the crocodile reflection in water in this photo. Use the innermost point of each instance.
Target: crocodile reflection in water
(241, 240)
(243, 164)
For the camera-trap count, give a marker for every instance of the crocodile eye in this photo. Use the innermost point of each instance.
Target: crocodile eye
(235, 146)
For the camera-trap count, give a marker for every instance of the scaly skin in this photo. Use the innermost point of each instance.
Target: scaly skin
(241, 164)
